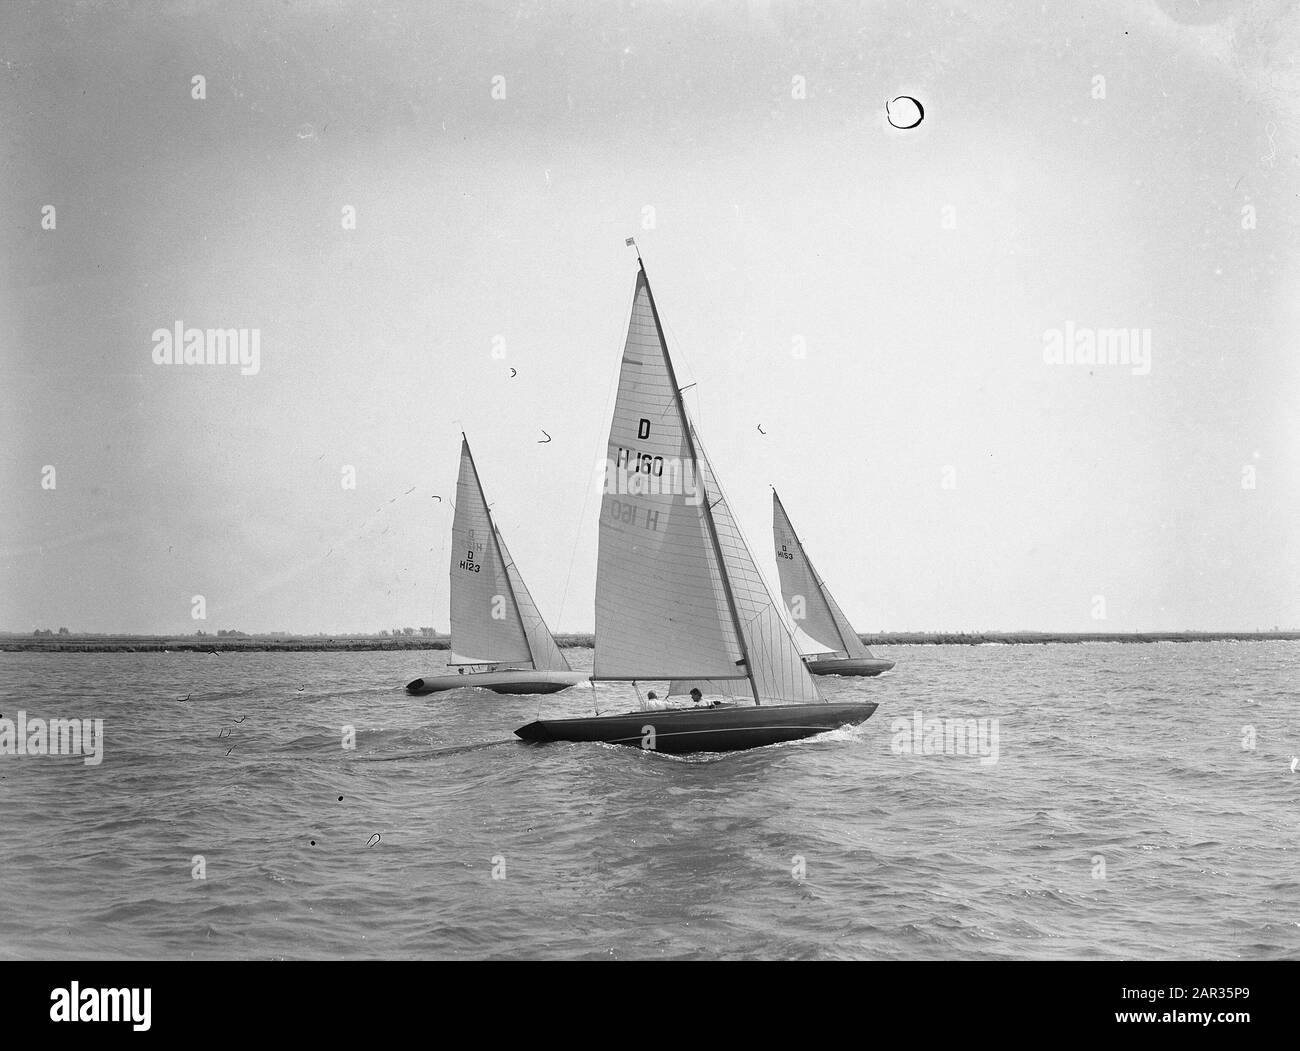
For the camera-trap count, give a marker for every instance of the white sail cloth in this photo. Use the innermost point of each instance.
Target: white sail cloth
(678, 596)
(779, 672)
(493, 617)
(660, 607)
(811, 605)
(547, 656)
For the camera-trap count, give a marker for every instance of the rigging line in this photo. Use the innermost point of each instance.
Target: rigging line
(670, 406)
(586, 496)
(688, 433)
(680, 356)
(820, 582)
(683, 357)
(496, 540)
(768, 593)
(573, 555)
(442, 560)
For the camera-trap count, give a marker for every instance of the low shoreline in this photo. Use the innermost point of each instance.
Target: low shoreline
(335, 643)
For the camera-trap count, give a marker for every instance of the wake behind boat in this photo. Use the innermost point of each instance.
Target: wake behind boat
(678, 596)
(499, 641)
(816, 613)
(499, 680)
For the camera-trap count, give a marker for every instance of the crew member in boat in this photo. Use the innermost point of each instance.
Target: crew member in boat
(699, 700)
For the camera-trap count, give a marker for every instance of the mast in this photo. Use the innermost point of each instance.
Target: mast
(708, 507)
(492, 528)
(817, 577)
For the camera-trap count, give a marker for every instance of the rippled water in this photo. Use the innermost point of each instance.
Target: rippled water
(1122, 819)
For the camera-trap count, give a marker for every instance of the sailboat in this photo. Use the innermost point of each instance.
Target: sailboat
(816, 614)
(678, 595)
(499, 641)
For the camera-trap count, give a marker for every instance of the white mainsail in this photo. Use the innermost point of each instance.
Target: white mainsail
(660, 606)
(486, 625)
(812, 606)
(678, 596)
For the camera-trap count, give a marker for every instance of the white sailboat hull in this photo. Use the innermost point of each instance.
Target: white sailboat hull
(509, 680)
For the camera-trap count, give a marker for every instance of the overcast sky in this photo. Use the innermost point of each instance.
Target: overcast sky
(877, 301)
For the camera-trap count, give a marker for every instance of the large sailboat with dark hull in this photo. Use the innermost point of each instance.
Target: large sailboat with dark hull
(834, 648)
(499, 640)
(678, 595)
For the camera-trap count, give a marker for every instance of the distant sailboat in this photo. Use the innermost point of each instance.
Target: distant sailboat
(815, 612)
(678, 596)
(498, 638)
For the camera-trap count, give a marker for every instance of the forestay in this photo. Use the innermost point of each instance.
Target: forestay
(546, 654)
(779, 672)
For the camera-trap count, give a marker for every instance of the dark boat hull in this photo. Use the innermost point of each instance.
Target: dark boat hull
(720, 729)
(849, 666)
(509, 681)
